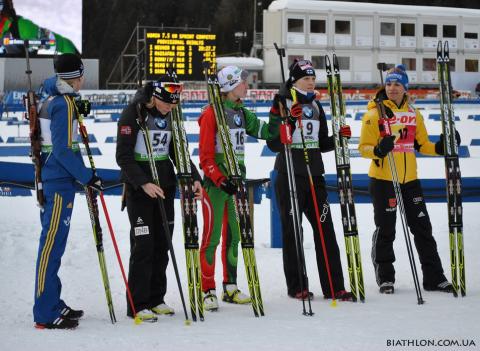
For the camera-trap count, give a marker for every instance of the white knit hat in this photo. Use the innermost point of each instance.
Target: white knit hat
(230, 77)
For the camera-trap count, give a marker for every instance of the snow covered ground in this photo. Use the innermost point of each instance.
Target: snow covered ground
(349, 326)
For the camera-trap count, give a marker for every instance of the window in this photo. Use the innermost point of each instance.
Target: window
(344, 63)
(342, 27)
(318, 62)
(451, 65)
(387, 28)
(295, 25)
(471, 65)
(410, 63)
(449, 31)
(469, 35)
(429, 64)
(407, 29)
(317, 26)
(430, 30)
(293, 57)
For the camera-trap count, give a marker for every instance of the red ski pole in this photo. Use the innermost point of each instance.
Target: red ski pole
(114, 241)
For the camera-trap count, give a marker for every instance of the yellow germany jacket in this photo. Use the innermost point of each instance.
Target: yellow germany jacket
(405, 161)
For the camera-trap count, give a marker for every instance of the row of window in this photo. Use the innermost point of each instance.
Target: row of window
(318, 26)
(428, 64)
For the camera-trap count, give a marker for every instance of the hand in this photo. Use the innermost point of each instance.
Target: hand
(153, 190)
(227, 186)
(296, 111)
(439, 149)
(197, 190)
(384, 146)
(345, 131)
(96, 183)
(277, 100)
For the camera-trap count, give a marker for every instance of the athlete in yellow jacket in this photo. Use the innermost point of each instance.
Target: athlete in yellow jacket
(408, 134)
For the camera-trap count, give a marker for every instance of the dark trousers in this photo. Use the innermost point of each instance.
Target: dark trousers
(385, 215)
(306, 206)
(148, 247)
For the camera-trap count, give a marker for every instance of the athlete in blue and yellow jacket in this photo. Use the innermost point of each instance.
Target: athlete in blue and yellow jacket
(62, 167)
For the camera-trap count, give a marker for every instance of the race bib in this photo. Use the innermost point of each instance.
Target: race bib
(404, 126)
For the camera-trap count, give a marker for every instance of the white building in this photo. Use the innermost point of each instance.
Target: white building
(363, 34)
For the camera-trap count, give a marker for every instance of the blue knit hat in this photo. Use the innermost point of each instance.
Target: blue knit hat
(397, 75)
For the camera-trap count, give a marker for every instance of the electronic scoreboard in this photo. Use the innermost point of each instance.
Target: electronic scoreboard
(185, 51)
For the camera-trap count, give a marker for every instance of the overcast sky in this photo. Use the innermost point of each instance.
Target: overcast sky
(61, 16)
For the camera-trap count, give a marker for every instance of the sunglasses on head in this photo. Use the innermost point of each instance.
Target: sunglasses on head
(170, 87)
(304, 64)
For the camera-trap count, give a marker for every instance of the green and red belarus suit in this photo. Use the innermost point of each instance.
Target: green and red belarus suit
(218, 206)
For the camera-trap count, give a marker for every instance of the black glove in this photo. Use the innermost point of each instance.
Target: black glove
(227, 185)
(96, 183)
(384, 146)
(439, 144)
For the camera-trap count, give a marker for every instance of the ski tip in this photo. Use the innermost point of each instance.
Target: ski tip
(188, 322)
(137, 320)
(334, 303)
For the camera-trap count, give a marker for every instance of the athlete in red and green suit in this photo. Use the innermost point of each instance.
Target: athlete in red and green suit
(218, 204)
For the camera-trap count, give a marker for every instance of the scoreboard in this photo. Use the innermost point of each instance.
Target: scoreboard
(185, 51)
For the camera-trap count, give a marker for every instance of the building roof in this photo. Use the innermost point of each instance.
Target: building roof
(370, 8)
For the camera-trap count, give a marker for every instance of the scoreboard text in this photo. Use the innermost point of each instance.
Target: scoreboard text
(184, 51)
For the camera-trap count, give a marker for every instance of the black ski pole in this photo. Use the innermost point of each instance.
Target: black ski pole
(297, 226)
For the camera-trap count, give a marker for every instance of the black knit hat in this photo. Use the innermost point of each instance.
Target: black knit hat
(299, 69)
(68, 66)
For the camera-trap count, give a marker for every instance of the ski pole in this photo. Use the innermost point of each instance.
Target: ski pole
(301, 266)
(117, 252)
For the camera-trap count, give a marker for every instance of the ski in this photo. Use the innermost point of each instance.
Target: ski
(242, 209)
(95, 220)
(452, 171)
(142, 123)
(189, 211)
(344, 180)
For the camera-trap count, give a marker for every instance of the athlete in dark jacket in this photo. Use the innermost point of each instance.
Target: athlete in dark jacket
(304, 105)
(149, 250)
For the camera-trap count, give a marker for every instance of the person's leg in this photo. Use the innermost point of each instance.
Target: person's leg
(158, 283)
(385, 210)
(289, 247)
(213, 206)
(142, 213)
(59, 199)
(331, 246)
(421, 227)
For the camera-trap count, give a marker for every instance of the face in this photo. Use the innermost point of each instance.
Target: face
(77, 83)
(162, 106)
(395, 92)
(239, 92)
(306, 84)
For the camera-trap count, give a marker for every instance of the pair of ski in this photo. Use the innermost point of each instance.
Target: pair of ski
(452, 171)
(240, 198)
(344, 180)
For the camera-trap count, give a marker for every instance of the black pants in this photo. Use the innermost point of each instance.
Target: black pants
(148, 248)
(385, 214)
(306, 206)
